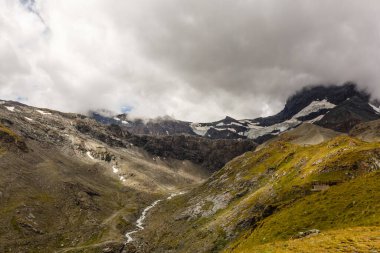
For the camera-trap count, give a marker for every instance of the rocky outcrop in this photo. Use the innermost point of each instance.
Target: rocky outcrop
(109, 135)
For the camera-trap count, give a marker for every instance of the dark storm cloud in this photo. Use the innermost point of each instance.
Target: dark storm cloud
(196, 60)
(264, 47)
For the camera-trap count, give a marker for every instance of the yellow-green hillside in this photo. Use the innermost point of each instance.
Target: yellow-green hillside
(349, 205)
(272, 195)
(356, 239)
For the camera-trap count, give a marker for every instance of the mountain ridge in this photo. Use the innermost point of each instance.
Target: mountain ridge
(313, 104)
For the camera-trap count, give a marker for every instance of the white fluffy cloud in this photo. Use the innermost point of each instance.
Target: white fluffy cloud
(193, 60)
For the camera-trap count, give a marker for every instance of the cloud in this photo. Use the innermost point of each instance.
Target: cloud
(193, 60)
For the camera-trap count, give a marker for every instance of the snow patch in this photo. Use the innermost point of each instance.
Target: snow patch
(222, 129)
(116, 118)
(89, 155)
(314, 106)
(29, 119)
(174, 195)
(247, 121)
(236, 124)
(10, 108)
(199, 129)
(115, 170)
(254, 133)
(43, 113)
(377, 109)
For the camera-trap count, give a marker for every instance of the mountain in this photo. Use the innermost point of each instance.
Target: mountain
(332, 95)
(336, 107)
(282, 198)
(108, 183)
(69, 183)
(210, 155)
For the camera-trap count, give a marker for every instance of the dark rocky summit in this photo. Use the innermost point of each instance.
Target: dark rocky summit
(333, 94)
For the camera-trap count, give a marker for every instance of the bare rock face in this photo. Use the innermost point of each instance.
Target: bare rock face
(210, 154)
(99, 132)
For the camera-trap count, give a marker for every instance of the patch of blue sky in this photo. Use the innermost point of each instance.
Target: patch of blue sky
(126, 109)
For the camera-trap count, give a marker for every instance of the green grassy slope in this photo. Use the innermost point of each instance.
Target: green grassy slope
(271, 195)
(351, 204)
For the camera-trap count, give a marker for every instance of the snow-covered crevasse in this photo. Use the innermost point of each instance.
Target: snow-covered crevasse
(141, 219)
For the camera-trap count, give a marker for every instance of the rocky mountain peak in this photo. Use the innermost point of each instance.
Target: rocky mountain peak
(332, 93)
(229, 120)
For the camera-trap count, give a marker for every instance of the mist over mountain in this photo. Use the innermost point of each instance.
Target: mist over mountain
(336, 107)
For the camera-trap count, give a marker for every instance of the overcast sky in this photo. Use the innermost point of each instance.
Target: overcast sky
(195, 60)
